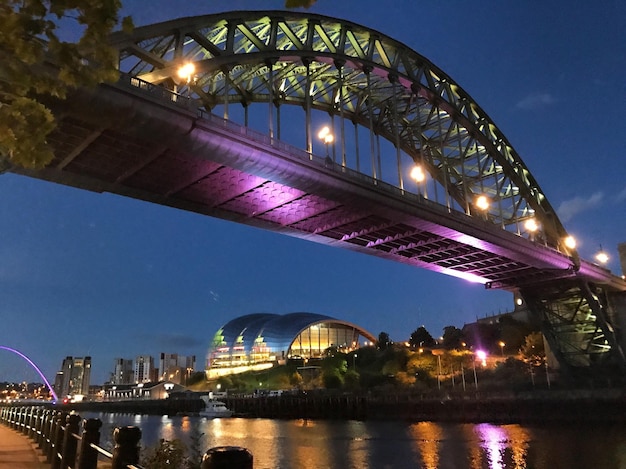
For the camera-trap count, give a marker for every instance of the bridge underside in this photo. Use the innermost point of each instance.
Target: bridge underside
(218, 168)
(142, 148)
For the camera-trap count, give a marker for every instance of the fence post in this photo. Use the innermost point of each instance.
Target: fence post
(70, 443)
(34, 422)
(43, 428)
(227, 457)
(126, 449)
(88, 458)
(49, 438)
(57, 440)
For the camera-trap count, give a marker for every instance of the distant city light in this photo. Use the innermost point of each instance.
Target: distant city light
(482, 356)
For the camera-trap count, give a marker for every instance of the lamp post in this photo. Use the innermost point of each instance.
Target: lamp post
(354, 361)
(185, 72)
(501, 344)
(327, 137)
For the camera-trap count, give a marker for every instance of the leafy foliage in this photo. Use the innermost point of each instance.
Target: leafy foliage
(420, 337)
(532, 351)
(383, 341)
(166, 455)
(452, 337)
(37, 64)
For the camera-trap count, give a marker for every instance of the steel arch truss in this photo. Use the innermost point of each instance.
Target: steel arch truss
(363, 77)
(358, 74)
(575, 321)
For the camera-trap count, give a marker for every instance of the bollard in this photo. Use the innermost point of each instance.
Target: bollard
(68, 452)
(227, 457)
(126, 449)
(88, 458)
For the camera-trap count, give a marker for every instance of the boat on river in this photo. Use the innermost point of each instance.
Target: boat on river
(214, 409)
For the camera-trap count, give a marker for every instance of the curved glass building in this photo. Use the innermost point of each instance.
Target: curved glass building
(266, 338)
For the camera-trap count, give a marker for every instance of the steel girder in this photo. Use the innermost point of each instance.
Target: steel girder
(360, 75)
(575, 320)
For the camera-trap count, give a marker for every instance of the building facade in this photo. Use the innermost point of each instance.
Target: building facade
(74, 376)
(176, 368)
(123, 372)
(144, 370)
(255, 340)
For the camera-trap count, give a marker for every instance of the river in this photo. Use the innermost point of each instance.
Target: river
(335, 444)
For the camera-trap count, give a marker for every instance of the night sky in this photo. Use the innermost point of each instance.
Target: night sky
(106, 276)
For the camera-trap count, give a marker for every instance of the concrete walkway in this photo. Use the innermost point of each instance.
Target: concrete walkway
(17, 451)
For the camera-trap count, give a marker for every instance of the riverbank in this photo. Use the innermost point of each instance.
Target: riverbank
(550, 407)
(537, 407)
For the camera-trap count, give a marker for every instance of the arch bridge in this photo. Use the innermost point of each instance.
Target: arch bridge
(220, 115)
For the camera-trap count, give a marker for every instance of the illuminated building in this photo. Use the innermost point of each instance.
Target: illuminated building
(123, 372)
(256, 341)
(176, 368)
(73, 378)
(144, 370)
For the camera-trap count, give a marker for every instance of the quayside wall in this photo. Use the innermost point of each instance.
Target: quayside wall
(549, 406)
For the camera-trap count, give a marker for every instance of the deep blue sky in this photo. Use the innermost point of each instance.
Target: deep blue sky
(101, 275)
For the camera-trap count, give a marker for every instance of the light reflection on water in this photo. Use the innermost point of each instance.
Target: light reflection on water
(309, 444)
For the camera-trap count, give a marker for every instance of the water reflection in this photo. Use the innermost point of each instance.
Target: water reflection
(309, 444)
(427, 437)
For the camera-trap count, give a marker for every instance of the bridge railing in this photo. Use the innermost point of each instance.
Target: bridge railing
(67, 441)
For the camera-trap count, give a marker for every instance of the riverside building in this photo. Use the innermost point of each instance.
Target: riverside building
(259, 341)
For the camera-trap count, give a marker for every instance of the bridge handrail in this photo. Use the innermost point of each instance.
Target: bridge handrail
(184, 102)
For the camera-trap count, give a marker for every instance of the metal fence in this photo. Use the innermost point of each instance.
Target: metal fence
(67, 441)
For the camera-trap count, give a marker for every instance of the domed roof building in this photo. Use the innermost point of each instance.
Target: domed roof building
(260, 340)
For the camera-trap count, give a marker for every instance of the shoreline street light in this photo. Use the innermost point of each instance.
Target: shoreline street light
(501, 344)
(482, 356)
(327, 137)
(354, 361)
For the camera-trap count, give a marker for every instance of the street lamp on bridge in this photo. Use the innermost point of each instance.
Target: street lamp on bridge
(185, 72)
(602, 257)
(326, 136)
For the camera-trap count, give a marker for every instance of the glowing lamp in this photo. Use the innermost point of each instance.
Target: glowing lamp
(570, 242)
(186, 71)
(482, 202)
(325, 135)
(602, 257)
(531, 225)
(417, 174)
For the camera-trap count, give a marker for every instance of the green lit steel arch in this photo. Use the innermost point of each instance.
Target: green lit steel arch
(357, 74)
